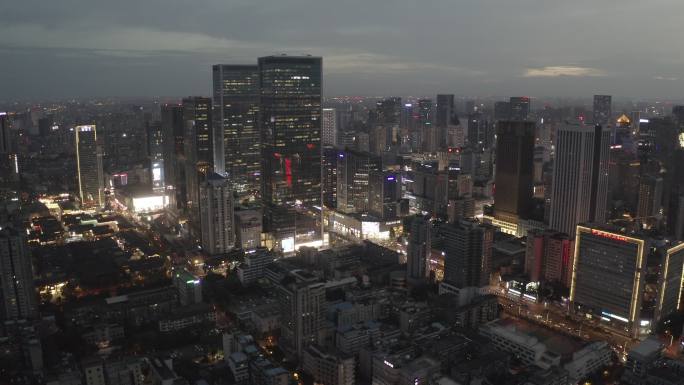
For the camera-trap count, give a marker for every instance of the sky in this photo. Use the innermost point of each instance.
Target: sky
(133, 48)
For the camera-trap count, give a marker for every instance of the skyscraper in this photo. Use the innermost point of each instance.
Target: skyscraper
(549, 257)
(353, 180)
(419, 247)
(603, 110)
(155, 153)
(174, 170)
(650, 200)
(514, 170)
(579, 189)
(388, 112)
(520, 108)
(468, 249)
(236, 108)
(9, 160)
(198, 145)
(89, 166)
(291, 137)
(17, 295)
(384, 194)
(445, 117)
(502, 110)
(217, 215)
(329, 127)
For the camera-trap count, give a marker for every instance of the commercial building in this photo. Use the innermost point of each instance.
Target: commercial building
(89, 166)
(598, 288)
(253, 268)
(329, 127)
(155, 153)
(217, 215)
(354, 169)
(16, 277)
(236, 107)
(189, 287)
(514, 170)
(291, 138)
(385, 200)
(579, 191)
(520, 108)
(248, 227)
(548, 256)
(419, 247)
(468, 253)
(172, 127)
(198, 149)
(329, 367)
(603, 110)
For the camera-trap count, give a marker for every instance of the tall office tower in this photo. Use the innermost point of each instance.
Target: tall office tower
(675, 200)
(329, 182)
(378, 140)
(502, 110)
(603, 110)
(548, 257)
(514, 170)
(291, 138)
(445, 113)
(419, 247)
(425, 120)
(389, 115)
(216, 214)
(89, 166)
(598, 286)
(189, 287)
(478, 130)
(579, 189)
(302, 311)
(18, 295)
(353, 177)
(174, 150)
(468, 249)
(329, 127)
(9, 159)
(520, 107)
(155, 152)
(236, 109)
(384, 200)
(198, 149)
(650, 200)
(470, 107)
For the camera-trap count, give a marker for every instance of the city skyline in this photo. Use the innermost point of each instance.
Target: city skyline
(565, 49)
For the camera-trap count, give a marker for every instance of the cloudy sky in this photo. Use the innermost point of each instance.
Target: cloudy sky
(80, 48)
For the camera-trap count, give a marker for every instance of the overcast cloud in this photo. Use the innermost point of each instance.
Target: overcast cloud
(71, 48)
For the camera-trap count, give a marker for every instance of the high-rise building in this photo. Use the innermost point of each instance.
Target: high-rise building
(650, 200)
(174, 149)
(419, 247)
(520, 108)
(445, 113)
(548, 257)
(353, 180)
(17, 295)
(291, 137)
(579, 189)
(425, 123)
(388, 115)
(9, 159)
(236, 108)
(608, 275)
(198, 149)
(603, 110)
(514, 170)
(89, 166)
(329, 182)
(329, 127)
(302, 311)
(216, 214)
(468, 253)
(384, 199)
(155, 152)
(502, 110)
(479, 131)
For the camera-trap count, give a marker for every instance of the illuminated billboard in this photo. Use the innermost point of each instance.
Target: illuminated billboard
(149, 203)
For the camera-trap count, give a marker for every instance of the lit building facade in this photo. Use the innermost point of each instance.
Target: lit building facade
(89, 166)
(217, 215)
(236, 108)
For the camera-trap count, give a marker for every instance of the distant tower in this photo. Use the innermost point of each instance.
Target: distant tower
(520, 107)
(514, 170)
(236, 109)
(174, 148)
(18, 295)
(603, 110)
(89, 166)
(419, 247)
(579, 191)
(217, 215)
(329, 127)
(198, 145)
(155, 152)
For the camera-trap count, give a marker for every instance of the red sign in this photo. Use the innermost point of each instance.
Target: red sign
(608, 235)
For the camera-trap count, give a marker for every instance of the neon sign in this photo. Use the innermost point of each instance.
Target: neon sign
(609, 235)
